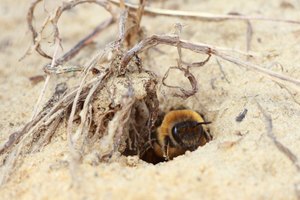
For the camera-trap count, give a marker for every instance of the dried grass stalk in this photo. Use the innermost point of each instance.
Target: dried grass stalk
(202, 15)
(198, 48)
(281, 147)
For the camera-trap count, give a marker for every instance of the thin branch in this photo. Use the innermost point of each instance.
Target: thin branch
(198, 48)
(122, 27)
(43, 91)
(222, 70)
(46, 137)
(260, 69)
(249, 32)
(41, 117)
(85, 110)
(289, 91)
(192, 79)
(30, 16)
(202, 15)
(140, 12)
(85, 41)
(69, 5)
(249, 36)
(53, 18)
(282, 148)
(185, 93)
(76, 49)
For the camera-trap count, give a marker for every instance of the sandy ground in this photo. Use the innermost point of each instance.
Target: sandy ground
(242, 162)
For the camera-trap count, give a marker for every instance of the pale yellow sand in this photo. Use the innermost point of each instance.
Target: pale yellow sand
(240, 163)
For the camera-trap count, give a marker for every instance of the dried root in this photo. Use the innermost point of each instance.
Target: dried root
(53, 19)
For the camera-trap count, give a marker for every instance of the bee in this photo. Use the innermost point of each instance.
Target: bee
(180, 130)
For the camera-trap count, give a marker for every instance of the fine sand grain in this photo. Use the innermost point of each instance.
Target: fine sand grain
(243, 161)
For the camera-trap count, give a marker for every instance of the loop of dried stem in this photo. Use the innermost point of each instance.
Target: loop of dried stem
(192, 79)
(35, 35)
(57, 69)
(185, 93)
(54, 17)
(69, 5)
(85, 41)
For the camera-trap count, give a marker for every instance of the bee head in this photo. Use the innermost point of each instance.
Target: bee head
(188, 134)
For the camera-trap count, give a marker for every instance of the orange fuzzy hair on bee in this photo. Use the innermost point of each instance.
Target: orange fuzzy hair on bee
(161, 148)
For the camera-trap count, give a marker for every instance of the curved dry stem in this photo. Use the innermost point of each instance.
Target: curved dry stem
(185, 93)
(35, 35)
(69, 5)
(285, 150)
(85, 41)
(198, 48)
(281, 147)
(53, 18)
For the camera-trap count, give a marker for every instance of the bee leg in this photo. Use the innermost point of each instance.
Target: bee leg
(208, 136)
(166, 148)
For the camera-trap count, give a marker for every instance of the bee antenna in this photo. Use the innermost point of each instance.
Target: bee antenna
(200, 123)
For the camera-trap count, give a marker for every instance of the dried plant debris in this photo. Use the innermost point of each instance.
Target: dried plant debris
(241, 116)
(285, 150)
(114, 107)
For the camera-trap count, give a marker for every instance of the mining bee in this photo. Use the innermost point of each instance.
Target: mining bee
(180, 130)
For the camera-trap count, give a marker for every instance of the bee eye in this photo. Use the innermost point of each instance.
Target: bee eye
(175, 130)
(187, 133)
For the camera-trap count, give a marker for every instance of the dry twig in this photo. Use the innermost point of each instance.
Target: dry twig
(202, 15)
(34, 33)
(282, 148)
(43, 116)
(75, 50)
(192, 79)
(41, 96)
(222, 71)
(85, 41)
(198, 48)
(185, 93)
(249, 36)
(282, 86)
(53, 18)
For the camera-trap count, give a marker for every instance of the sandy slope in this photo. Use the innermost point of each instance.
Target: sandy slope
(241, 162)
